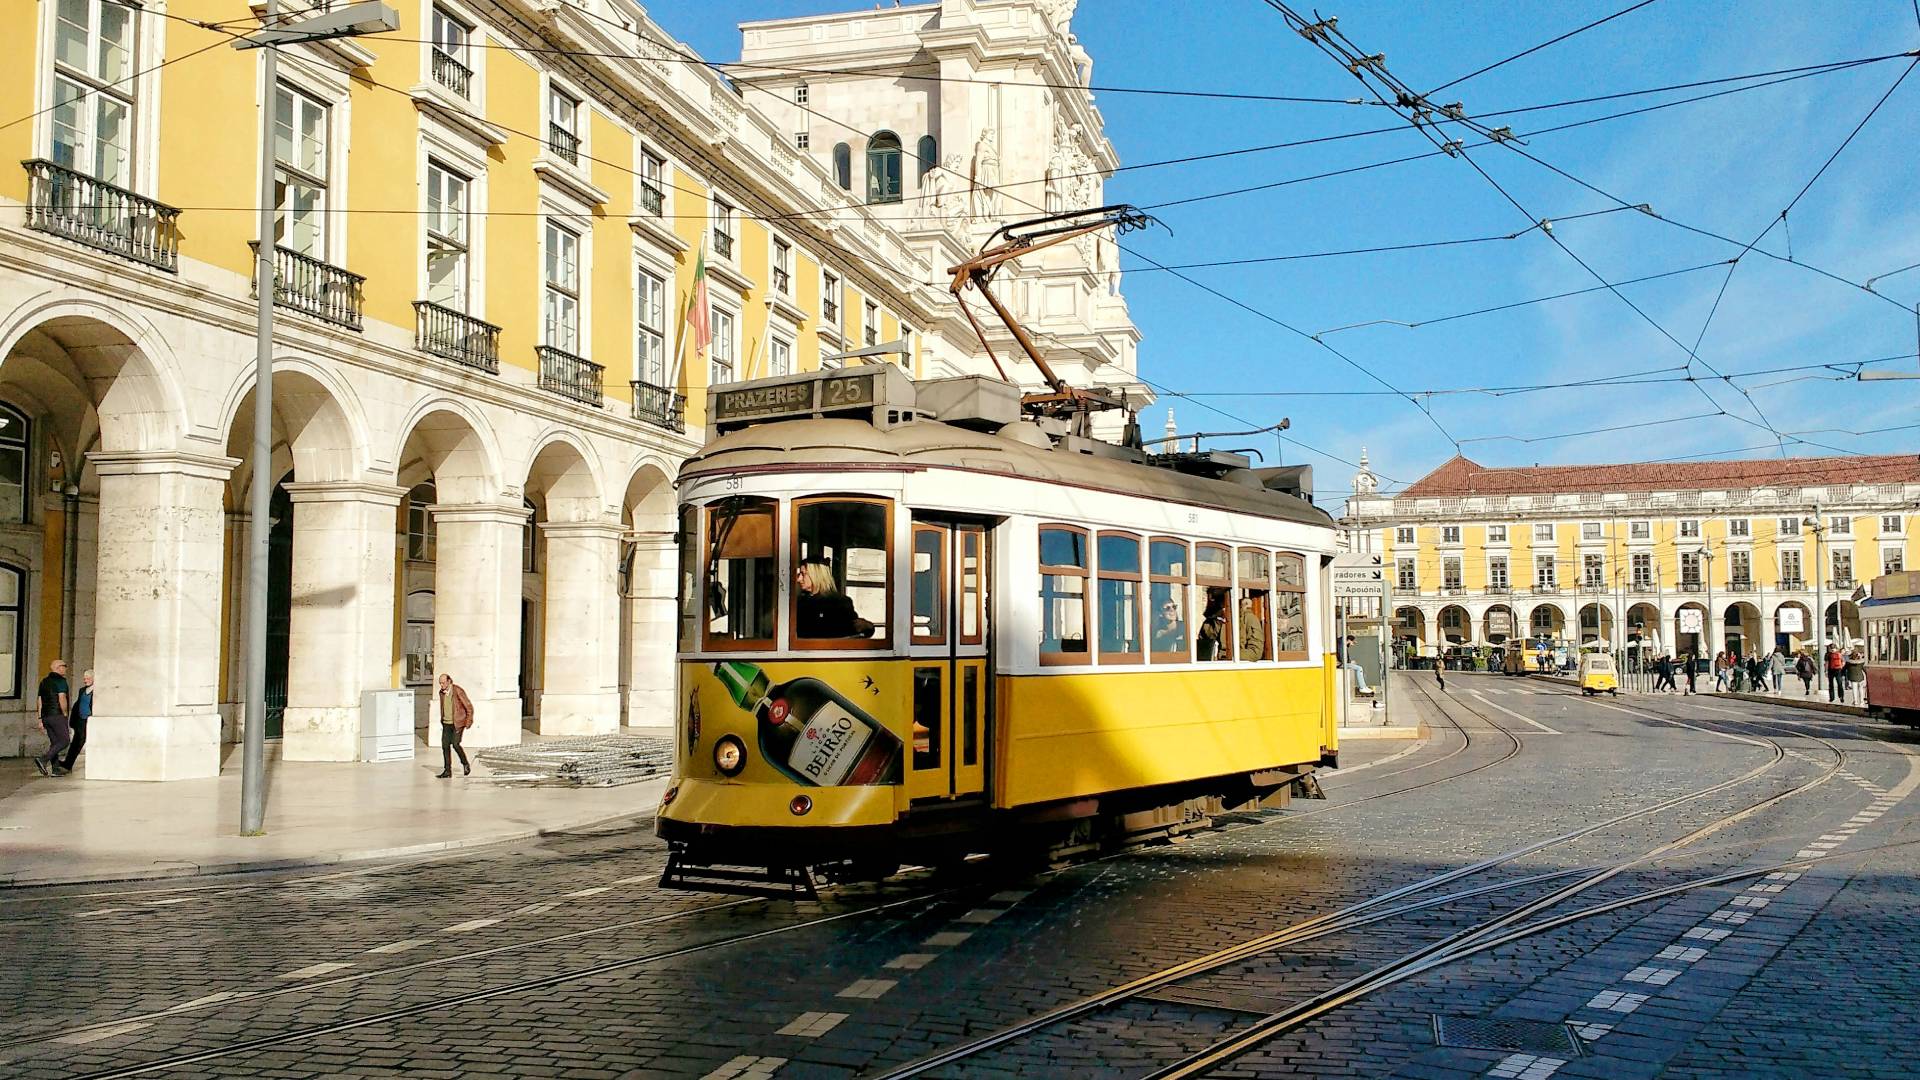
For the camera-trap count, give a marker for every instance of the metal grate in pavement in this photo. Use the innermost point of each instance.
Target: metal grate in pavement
(590, 761)
(1512, 1036)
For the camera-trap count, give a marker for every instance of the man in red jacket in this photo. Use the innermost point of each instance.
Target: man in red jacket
(1836, 674)
(456, 716)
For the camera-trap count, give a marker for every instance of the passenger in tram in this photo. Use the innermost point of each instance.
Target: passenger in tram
(1169, 629)
(822, 610)
(1253, 632)
(1213, 628)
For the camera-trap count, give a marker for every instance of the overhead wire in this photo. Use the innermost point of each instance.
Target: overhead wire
(1630, 9)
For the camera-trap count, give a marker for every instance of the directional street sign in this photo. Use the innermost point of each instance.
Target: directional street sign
(1357, 574)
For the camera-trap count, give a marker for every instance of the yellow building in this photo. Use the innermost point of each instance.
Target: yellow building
(487, 228)
(1699, 556)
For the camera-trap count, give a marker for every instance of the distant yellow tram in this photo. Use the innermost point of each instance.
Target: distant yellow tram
(916, 624)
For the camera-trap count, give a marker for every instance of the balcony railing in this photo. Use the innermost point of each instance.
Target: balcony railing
(1841, 583)
(311, 287)
(1643, 588)
(573, 377)
(1792, 584)
(723, 244)
(564, 144)
(101, 215)
(1593, 586)
(1691, 586)
(652, 199)
(1454, 590)
(455, 336)
(1546, 590)
(451, 73)
(782, 281)
(659, 405)
(1739, 586)
(830, 313)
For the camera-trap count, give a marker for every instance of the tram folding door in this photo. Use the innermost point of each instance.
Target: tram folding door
(951, 681)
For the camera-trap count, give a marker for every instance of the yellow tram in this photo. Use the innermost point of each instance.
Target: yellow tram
(916, 624)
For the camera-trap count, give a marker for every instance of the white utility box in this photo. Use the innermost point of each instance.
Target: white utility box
(386, 725)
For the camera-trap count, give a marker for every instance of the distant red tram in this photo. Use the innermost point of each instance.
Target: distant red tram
(1891, 614)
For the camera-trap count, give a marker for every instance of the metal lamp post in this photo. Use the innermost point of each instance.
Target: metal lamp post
(351, 20)
(1819, 598)
(1706, 625)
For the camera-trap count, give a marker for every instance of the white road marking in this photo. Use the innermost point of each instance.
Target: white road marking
(1526, 1067)
(534, 909)
(912, 961)
(79, 1038)
(98, 911)
(1517, 716)
(1676, 723)
(946, 939)
(1617, 1001)
(392, 947)
(1685, 954)
(1653, 976)
(868, 988)
(981, 915)
(1011, 896)
(175, 900)
(208, 999)
(309, 972)
(747, 1067)
(1590, 1032)
(1707, 933)
(812, 1025)
(470, 924)
(595, 891)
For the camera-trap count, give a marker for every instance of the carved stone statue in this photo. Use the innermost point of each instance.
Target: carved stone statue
(985, 195)
(1058, 12)
(944, 201)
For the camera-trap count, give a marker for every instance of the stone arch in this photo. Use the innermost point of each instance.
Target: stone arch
(1454, 626)
(1595, 620)
(1497, 632)
(1687, 640)
(1547, 620)
(1741, 630)
(324, 424)
(1799, 618)
(452, 443)
(113, 365)
(563, 478)
(1410, 623)
(1842, 619)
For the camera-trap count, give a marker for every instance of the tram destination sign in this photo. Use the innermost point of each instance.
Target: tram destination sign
(799, 398)
(1357, 574)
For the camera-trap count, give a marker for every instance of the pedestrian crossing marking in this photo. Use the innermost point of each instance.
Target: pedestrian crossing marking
(392, 947)
(812, 1025)
(868, 988)
(470, 924)
(912, 961)
(747, 1067)
(314, 970)
(79, 1038)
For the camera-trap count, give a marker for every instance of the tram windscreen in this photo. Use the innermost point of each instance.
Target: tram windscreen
(743, 583)
(840, 573)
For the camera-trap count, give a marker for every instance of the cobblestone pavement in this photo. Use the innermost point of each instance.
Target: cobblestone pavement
(560, 957)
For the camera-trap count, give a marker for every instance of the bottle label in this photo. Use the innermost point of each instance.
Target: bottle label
(830, 745)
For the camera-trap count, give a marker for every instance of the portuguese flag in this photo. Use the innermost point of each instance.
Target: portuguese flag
(698, 317)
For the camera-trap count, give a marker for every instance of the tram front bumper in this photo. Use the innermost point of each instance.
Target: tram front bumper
(703, 805)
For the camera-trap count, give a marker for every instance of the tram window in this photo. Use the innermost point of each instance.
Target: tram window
(929, 585)
(840, 573)
(1167, 600)
(688, 594)
(743, 578)
(1290, 606)
(1213, 570)
(1063, 595)
(1120, 577)
(973, 577)
(927, 698)
(1254, 605)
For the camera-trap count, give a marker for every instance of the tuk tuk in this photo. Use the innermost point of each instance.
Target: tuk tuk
(1513, 657)
(1597, 674)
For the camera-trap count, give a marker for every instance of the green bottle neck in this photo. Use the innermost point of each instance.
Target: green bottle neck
(746, 684)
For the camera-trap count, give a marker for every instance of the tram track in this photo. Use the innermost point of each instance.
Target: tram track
(1364, 912)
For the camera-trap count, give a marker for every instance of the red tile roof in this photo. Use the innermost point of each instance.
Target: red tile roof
(1459, 477)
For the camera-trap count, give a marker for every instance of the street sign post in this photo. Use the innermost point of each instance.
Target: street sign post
(1359, 573)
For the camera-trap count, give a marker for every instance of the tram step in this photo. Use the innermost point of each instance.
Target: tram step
(774, 881)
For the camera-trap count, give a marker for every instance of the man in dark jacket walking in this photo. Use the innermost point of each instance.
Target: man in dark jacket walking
(53, 719)
(456, 716)
(78, 717)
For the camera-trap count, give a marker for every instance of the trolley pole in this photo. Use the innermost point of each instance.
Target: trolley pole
(1819, 599)
(1386, 648)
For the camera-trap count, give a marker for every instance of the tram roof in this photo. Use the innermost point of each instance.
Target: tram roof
(830, 443)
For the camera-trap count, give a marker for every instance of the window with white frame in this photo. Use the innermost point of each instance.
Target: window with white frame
(1593, 571)
(1892, 523)
(1739, 528)
(1690, 570)
(779, 357)
(1497, 578)
(1403, 534)
(1642, 570)
(448, 242)
(1840, 525)
(1543, 577)
(15, 439)
(723, 228)
(300, 171)
(653, 184)
(906, 348)
(1403, 576)
(1450, 573)
(1790, 570)
(1842, 568)
(1639, 530)
(830, 299)
(1789, 526)
(782, 267)
(870, 326)
(451, 65)
(1740, 568)
(561, 307)
(650, 319)
(1543, 531)
(723, 345)
(92, 103)
(802, 140)
(563, 124)
(1589, 530)
(1449, 534)
(1892, 560)
(1496, 534)
(1690, 529)
(801, 94)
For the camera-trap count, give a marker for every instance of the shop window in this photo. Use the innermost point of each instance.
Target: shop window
(840, 569)
(929, 585)
(15, 432)
(1063, 595)
(417, 637)
(1119, 599)
(1167, 573)
(13, 628)
(421, 530)
(1213, 572)
(1290, 606)
(1254, 604)
(743, 577)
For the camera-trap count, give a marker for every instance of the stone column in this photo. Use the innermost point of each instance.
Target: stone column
(652, 626)
(341, 623)
(580, 686)
(157, 616)
(476, 616)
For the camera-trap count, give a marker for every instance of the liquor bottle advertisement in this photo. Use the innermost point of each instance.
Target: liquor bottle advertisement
(806, 723)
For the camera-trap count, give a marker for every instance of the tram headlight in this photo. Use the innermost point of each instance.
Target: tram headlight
(729, 755)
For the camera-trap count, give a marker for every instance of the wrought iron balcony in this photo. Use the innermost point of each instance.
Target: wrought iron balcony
(652, 199)
(564, 144)
(1792, 584)
(456, 336)
(723, 244)
(1841, 583)
(1546, 590)
(1454, 590)
(660, 406)
(1691, 586)
(1740, 586)
(830, 312)
(100, 215)
(451, 73)
(573, 377)
(1643, 588)
(1593, 586)
(311, 287)
(782, 281)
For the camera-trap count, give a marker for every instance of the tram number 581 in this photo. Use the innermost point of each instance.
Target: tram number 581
(730, 483)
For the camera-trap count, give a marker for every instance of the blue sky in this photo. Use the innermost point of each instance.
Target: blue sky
(1727, 165)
